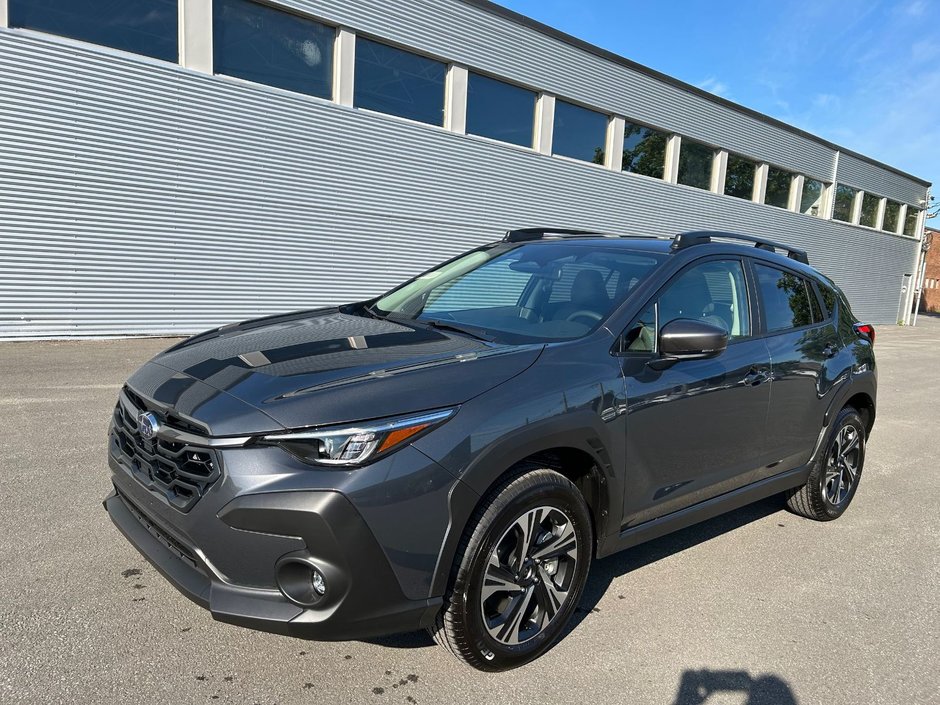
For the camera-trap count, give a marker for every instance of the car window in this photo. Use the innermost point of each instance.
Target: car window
(525, 292)
(491, 286)
(829, 300)
(561, 290)
(786, 299)
(714, 292)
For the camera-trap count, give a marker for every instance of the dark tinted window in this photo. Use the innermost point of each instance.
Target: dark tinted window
(910, 221)
(811, 198)
(778, 188)
(785, 297)
(397, 82)
(500, 111)
(829, 300)
(695, 164)
(869, 217)
(146, 27)
(644, 151)
(261, 44)
(892, 212)
(845, 201)
(739, 177)
(579, 133)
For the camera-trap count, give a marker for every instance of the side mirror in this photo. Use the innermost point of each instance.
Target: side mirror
(688, 339)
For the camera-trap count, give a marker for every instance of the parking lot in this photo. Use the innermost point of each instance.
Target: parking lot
(758, 606)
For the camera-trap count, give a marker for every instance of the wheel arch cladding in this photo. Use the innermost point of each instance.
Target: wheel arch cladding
(583, 468)
(865, 406)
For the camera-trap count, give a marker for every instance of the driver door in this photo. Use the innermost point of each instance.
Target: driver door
(694, 429)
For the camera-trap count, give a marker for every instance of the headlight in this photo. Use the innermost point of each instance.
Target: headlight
(355, 445)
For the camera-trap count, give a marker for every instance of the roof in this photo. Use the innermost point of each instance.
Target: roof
(573, 41)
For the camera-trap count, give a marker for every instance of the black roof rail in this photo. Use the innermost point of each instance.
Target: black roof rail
(690, 239)
(527, 234)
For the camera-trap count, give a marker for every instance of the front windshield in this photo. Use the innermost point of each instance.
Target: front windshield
(534, 292)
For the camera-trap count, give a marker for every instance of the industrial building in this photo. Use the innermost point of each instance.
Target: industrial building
(167, 166)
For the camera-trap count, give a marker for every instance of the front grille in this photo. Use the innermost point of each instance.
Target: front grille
(179, 549)
(181, 473)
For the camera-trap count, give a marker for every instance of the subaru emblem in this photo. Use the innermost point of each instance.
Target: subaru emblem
(147, 425)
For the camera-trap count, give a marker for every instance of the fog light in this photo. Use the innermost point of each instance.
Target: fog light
(318, 581)
(302, 582)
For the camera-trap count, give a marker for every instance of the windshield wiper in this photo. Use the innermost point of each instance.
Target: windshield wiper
(373, 311)
(472, 331)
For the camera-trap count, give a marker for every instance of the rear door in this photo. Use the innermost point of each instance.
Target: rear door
(694, 430)
(802, 340)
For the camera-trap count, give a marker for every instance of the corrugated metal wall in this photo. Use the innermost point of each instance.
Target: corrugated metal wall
(855, 172)
(139, 197)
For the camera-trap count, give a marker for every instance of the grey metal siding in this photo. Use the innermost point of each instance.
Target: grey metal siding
(466, 34)
(138, 197)
(858, 173)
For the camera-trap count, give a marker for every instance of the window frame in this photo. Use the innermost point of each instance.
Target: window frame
(533, 137)
(375, 39)
(331, 95)
(711, 170)
(790, 183)
(84, 41)
(666, 135)
(749, 292)
(763, 331)
(581, 106)
(755, 164)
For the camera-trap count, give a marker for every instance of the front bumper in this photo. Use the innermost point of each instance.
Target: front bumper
(364, 598)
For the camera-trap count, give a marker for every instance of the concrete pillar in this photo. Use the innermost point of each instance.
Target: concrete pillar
(195, 35)
(344, 67)
(544, 123)
(455, 101)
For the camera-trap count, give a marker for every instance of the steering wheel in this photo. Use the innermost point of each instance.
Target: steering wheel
(593, 316)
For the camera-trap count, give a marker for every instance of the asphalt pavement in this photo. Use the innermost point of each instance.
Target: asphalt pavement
(758, 606)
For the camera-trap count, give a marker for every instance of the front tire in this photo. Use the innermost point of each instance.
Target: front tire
(520, 572)
(835, 475)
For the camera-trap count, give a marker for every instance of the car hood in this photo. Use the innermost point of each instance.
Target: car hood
(325, 367)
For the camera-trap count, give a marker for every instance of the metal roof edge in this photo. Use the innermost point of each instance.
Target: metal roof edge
(613, 57)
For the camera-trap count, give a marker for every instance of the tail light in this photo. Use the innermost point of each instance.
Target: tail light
(867, 330)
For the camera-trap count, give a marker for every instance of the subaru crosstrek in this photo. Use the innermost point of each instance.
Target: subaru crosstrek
(454, 454)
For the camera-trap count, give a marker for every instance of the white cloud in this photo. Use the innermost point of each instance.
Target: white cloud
(713, 85)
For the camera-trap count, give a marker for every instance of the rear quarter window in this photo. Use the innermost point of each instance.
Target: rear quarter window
(787, 299)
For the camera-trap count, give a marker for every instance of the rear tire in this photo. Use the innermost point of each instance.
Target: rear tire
(519, 573)
(836, 473)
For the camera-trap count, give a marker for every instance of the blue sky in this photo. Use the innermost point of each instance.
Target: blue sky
(864, 74)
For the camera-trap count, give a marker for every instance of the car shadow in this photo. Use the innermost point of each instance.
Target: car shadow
(605, 570)
(696, 687)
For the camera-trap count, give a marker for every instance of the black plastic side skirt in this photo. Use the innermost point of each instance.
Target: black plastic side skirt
(703, 511)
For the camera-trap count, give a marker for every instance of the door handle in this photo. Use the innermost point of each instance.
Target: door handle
(830, 350)
(755, 377)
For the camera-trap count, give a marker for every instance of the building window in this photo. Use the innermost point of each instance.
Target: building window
(500, 111)
(739, 177)
(812, 197)
(147, 27)
(397, 82)
(579, 133)
(844, 203)
(910, 222)
(892, 213)
(644, 150)
(778, 188)
(696, 162)
(264, 45)
(869, 217)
